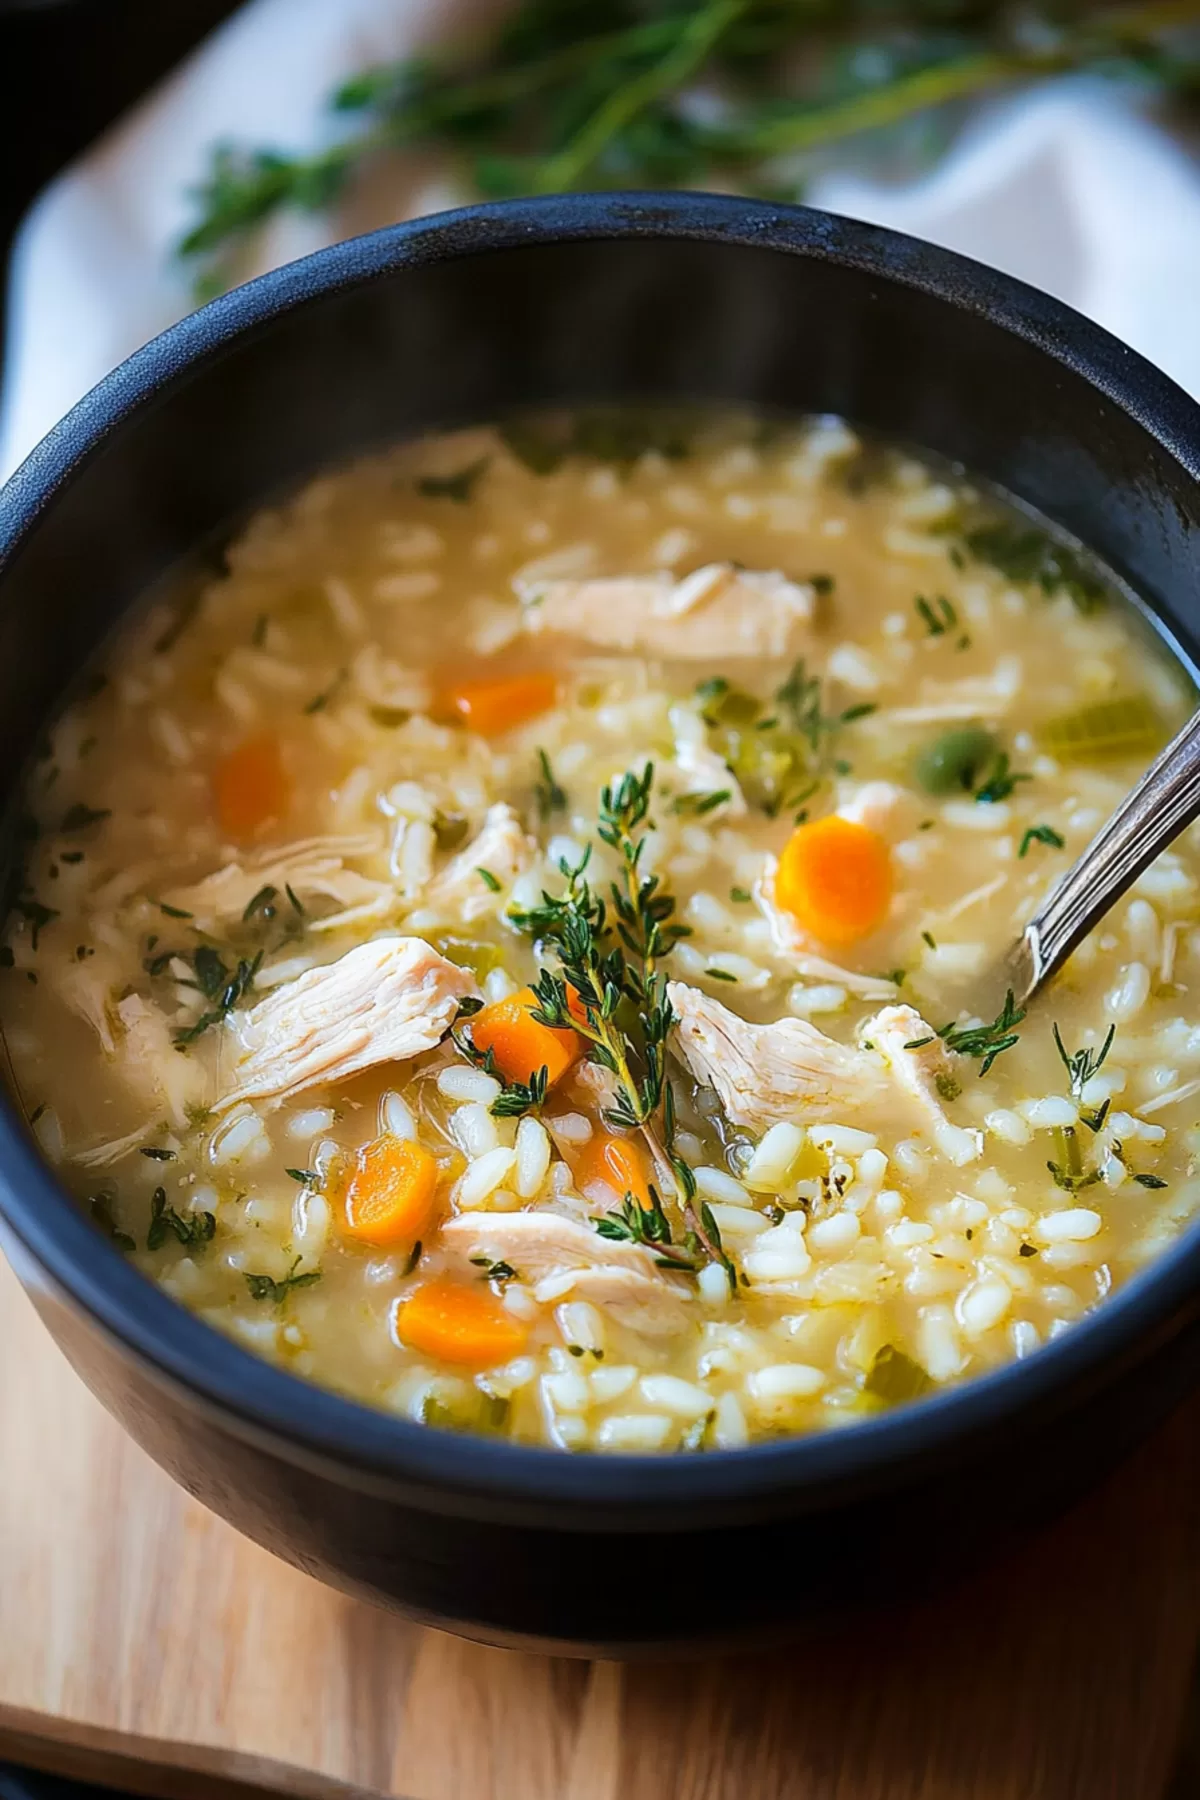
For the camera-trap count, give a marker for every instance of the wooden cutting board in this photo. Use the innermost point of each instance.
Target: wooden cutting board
(142, 1640)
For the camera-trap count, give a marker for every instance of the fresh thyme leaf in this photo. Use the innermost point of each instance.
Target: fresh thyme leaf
(229, 991)
(296, 904)
(700, 804)
(1000, 782)
(156, 1154)
(895, 1377)
(36, 916)
(458, 487)
(986, 1041)
(551, 798)
(320, 701)
(265, 1287)
(261, 903)
(1022, 553)
(390, 717)
(193, 1230)
(648, 1225)
(173, 912)
(1027, 1250)
(1150, 1181)
(412, 1259)
(494, 1271)
(488, 880)
(521, 1097)
(306, 1177)
(79, 817)
(741, 895)
(927, 937)
(938, 615)
(720, 975)
(1040, 834)
(1081, 1065)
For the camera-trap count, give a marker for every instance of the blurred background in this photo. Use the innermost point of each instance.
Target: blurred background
(153, 152)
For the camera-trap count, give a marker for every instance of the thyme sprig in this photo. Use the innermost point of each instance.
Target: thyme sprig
(984, 1041)
(1081, 1065)
(516, 1098)
(604, 93)
(610, 988)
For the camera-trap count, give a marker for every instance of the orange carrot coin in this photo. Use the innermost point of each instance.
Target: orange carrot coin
(390, 1193)
(460, 1323)
(520, 1044)
(619, 1162)
(835, 878)
(492, 707)
(251, 788)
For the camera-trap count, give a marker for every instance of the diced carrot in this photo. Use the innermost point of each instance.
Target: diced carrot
(251, 788)
(491, 707)
(460, 1324)
(620, 1162)
(835, 878)
(389, 1194)
(520, 1044)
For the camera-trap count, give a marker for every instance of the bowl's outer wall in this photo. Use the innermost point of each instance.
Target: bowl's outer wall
(451, 323)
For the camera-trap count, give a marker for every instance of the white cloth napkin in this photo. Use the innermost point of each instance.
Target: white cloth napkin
(1067, 188)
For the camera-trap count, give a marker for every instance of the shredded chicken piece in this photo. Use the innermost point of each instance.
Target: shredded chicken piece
(312, 867)
(560, 1257)
(503, 849)
(922, 1066)
(386, 1001)
(150, 1064)
(882, 806)
(803, 952)
(704, 772)
(766, 1073)
(718, 610)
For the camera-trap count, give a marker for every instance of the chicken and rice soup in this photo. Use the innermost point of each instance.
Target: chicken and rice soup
(495, 947)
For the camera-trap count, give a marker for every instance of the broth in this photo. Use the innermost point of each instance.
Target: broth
(304, 847)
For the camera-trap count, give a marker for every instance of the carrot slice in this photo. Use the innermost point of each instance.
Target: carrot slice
(620, 1162)
(460, 1324)
(491, 707)
(519, 1043)
(389, 1195)
(835, 878)
(251, 788)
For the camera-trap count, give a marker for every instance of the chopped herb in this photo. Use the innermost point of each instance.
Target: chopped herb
(79, 817)
(306, 1177)
(938, 615)
(70, 856)
(863, 710)
(742, 896)
(1000, 782)
(390, 717)
(449, 830)
(551, 798)
(1150, 1181)
(172, 912)
(822, 585)
(156, 1154)
(101, 1208)
(412, 1259)
(488, 880)
(296, 905)
(236, 987)
(494, 1271)
(720, 975)
(1071, 1183)
(1081, 1065)
(986, 1041)
(696, 1435)
(700, 804)
(1021, 553)
(179, 624)
(37, 1112)
(927, 937)
(36, 916)
(947, 1086)
(1040, 834)
(458, 486)
(264, 1287)
(261, 903)
(1027, 1250)
(648, 1225)
(192, 1231)
(320, 701)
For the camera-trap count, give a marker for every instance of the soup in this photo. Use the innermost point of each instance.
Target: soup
(498, 947)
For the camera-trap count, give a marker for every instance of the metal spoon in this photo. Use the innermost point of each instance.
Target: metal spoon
(1165, 802)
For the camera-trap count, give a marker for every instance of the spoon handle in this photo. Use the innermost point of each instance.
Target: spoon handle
(1165, 801)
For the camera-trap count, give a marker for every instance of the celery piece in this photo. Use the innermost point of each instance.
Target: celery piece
(1126, 725)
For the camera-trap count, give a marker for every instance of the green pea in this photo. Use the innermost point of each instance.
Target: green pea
(953, 762)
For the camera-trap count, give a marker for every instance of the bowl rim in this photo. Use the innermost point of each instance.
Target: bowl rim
(352, 1442)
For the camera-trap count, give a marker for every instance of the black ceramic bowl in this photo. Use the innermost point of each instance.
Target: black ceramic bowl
(462, 318)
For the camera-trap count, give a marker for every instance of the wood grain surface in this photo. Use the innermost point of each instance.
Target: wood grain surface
(142, 1640)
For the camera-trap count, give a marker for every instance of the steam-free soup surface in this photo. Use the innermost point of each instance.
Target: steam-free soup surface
(749, 750)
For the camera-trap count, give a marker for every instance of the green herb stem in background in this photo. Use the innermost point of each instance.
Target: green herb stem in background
(750, 94)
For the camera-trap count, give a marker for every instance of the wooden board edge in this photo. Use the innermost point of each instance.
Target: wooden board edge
(158, 1768)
